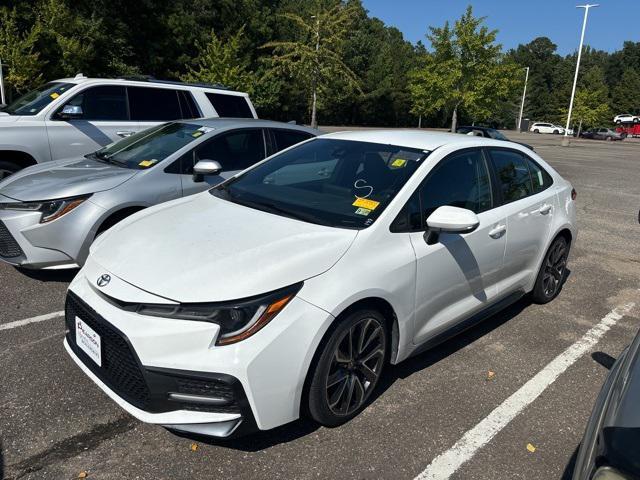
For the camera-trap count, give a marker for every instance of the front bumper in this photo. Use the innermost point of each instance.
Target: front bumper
(62, 243)
(262, 376)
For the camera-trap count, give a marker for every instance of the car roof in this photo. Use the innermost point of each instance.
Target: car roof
(153, 83)
(228, 123)
(419, 139)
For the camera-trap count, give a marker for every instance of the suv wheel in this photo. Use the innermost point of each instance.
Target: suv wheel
(618, 122)
(7, 168)
(536, 131)
(348, 368)
(556, 132)
(552, 272)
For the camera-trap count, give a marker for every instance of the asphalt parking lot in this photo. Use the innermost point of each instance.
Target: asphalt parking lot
(55, 423)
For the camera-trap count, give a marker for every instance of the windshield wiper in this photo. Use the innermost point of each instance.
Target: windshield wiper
(103, 157)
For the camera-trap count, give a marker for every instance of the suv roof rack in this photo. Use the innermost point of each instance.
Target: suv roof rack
(151, 79)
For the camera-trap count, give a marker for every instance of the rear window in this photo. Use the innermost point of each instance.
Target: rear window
(153, 104)
(233, 106)
(286, 138)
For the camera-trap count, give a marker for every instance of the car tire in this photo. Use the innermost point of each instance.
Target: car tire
(552, 272)
(618, 122)
(7, 168)
(608, 139)
(556, 132)
(536, 131)
(352, 357)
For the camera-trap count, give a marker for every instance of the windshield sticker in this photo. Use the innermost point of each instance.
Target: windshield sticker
(196, 134)
(147, 163)
(362, 184)
(202, 131)
(363, 211)
(398, 163)
(365, 203)
(54, 95)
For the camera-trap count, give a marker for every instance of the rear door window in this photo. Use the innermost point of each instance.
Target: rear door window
(513, 174)
(235, 150)
(539, 177)
(286, 138)
(153, 104)
(232, 106)
(188, 105)
(108, 102)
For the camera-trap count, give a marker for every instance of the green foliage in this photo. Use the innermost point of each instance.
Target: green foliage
(18, 52)
(465, 71)
(625, 96)
(591, 104)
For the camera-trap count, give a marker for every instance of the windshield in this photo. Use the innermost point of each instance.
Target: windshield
(331, 182)
(34, 101)
(496, 134)
(149, 147)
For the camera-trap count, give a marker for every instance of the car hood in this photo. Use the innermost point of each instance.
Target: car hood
(68, 178)
(205, 249)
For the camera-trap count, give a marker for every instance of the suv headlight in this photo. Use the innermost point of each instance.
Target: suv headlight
(237, 320)
(50, 209)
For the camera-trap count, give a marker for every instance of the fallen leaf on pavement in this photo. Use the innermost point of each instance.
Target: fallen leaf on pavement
(194, 447)
(531, 448)
(491, 375)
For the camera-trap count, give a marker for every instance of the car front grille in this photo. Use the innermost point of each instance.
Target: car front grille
(120, 369)
(9, 248)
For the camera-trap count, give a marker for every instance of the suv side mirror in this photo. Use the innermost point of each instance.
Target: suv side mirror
(205, 167)
(71, 111)
(450, 220)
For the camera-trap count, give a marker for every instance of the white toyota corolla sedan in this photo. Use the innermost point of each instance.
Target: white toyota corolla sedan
(289, 288)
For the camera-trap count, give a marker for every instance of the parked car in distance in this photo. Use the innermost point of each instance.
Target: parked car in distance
(70, 117)
(609, 447)
(488, 132)
(625, 118)
(601, 133)
(292, 285)
(51, 213)
(546, 128)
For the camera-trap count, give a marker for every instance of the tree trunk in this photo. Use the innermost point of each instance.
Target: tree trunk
(454, 120)
(314, 120)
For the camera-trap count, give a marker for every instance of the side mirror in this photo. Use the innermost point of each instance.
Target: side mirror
(71, 111)
(450, 220)
(205, 167)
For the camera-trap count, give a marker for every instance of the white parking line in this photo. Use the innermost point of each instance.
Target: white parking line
(27, 321)
(446, 464)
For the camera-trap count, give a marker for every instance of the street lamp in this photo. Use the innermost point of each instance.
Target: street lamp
(565, 140)
(524, 93)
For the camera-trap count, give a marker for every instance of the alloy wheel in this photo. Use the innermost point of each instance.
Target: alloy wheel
(555, 265)
(356, 366)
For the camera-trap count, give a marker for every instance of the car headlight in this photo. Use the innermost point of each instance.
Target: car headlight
(50, 209)
(237, 320)
(608, 473)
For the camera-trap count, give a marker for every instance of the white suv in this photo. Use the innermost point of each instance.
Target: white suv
(71, 117)
(625, 118)
(546, 128)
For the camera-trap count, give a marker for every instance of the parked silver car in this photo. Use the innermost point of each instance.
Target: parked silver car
(51, 213)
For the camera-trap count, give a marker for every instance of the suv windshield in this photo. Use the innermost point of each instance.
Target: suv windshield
(495, 134)
(34, 101)
(149, 147)
(332, 182)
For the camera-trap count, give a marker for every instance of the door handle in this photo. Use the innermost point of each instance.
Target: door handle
(124, 133)
(544, 209)
(498, 231)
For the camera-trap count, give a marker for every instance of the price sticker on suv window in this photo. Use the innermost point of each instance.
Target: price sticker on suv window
(366, 203)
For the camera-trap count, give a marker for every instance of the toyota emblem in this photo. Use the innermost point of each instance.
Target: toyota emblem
(103, 280)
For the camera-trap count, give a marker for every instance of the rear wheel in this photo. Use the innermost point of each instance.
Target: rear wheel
(7, 168)
(552, 272)
(556, 132)
(536, 131)
(349, 368)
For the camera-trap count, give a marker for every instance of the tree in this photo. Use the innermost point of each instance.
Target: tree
(17, 51)
(625, 96)
(314, 56)
(591, 105)
(224, 62)
(465, 71)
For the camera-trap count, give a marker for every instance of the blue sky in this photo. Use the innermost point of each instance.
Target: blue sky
(518, 21)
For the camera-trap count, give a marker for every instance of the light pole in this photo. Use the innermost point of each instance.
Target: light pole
(565, 140)
(314, 119)
(2, 99)
(524, 93)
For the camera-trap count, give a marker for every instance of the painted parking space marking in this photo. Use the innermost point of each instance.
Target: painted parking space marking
(27, 321)
(447, 463)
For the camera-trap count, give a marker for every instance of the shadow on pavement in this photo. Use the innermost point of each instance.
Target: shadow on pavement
(49, 275)
(568, 470)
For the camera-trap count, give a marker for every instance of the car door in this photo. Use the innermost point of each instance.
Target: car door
(529, 206)
(104, 119)
(235, 150)
(457, 276)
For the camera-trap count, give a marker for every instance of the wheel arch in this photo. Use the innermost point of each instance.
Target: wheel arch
(19, 157)
(117, 216)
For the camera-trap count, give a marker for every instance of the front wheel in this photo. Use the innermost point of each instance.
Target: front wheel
(536, 131)
(349, 368)
(556, 132)
(552, 272)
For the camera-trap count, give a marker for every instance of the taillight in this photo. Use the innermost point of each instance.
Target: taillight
(574, 194)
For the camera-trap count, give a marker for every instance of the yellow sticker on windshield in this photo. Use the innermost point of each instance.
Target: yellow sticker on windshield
(147, 163)
(366, 203)
(363, 211)
(54, 95)
(196, 134)
(398, 163)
